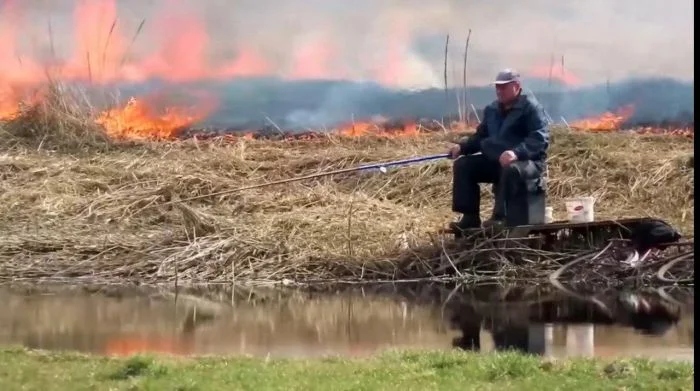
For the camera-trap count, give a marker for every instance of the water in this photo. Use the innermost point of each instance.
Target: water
(350, 321)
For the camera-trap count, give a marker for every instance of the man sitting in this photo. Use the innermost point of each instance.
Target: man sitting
(508, 149)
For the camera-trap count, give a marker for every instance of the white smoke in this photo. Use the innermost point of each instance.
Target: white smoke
(599, 39)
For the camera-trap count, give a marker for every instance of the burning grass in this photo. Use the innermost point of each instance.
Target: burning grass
(94, 212)
(58, 118)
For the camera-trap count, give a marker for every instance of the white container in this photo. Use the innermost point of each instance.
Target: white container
(548, 214)
(580, 209)
(580, 340)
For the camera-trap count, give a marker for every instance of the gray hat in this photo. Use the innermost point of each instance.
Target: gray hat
(506, 76)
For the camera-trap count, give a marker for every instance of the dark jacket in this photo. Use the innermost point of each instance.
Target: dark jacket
(523, 129)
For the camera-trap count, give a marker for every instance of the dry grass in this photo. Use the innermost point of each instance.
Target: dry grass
(60, 118)
(79, 206)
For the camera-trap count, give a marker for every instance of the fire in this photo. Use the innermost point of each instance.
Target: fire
(615, 121)
(105, 51)
(138, 120)
(102, 49)
(677, 131)
(607, 121)
(12, 98)
(556, 73)
(173, 46)
(9, 105)
(358, 129)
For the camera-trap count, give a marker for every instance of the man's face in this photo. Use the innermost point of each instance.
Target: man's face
(507, 92)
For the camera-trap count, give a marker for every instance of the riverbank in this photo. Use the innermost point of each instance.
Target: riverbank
(94, 213)
(407, 370)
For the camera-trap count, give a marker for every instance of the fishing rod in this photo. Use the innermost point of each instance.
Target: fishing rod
(382, 167)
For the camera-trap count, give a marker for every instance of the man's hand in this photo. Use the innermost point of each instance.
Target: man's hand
(455, 151)
(507, 158)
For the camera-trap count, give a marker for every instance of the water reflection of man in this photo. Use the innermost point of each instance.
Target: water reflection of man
(506, 336)
(470, 325)
(646, 315)
(512, 337)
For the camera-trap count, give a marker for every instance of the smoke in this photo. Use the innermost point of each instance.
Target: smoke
(395, 42)
(254, 54)
(257, 103)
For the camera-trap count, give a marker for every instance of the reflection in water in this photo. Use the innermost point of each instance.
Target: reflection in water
(351, 321)
(612, 323)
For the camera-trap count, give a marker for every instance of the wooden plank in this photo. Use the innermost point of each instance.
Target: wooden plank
(523, 230)
(599, 223)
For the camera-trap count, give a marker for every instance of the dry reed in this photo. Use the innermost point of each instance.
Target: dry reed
(93, 212)
(59, 118)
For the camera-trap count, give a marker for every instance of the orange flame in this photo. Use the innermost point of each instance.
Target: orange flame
(102, 53)
(138, 120)
(9, 104)
(12, 98)
(555, 73)
(607, 121)
(684, 132)
(105, 51)
(358, 129)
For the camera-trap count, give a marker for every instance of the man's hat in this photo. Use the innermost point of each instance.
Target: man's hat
(506, 76)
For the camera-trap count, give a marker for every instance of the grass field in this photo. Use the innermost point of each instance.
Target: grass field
(20, 369)
(74, 204)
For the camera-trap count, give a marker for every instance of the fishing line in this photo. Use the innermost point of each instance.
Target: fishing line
(381, 167)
